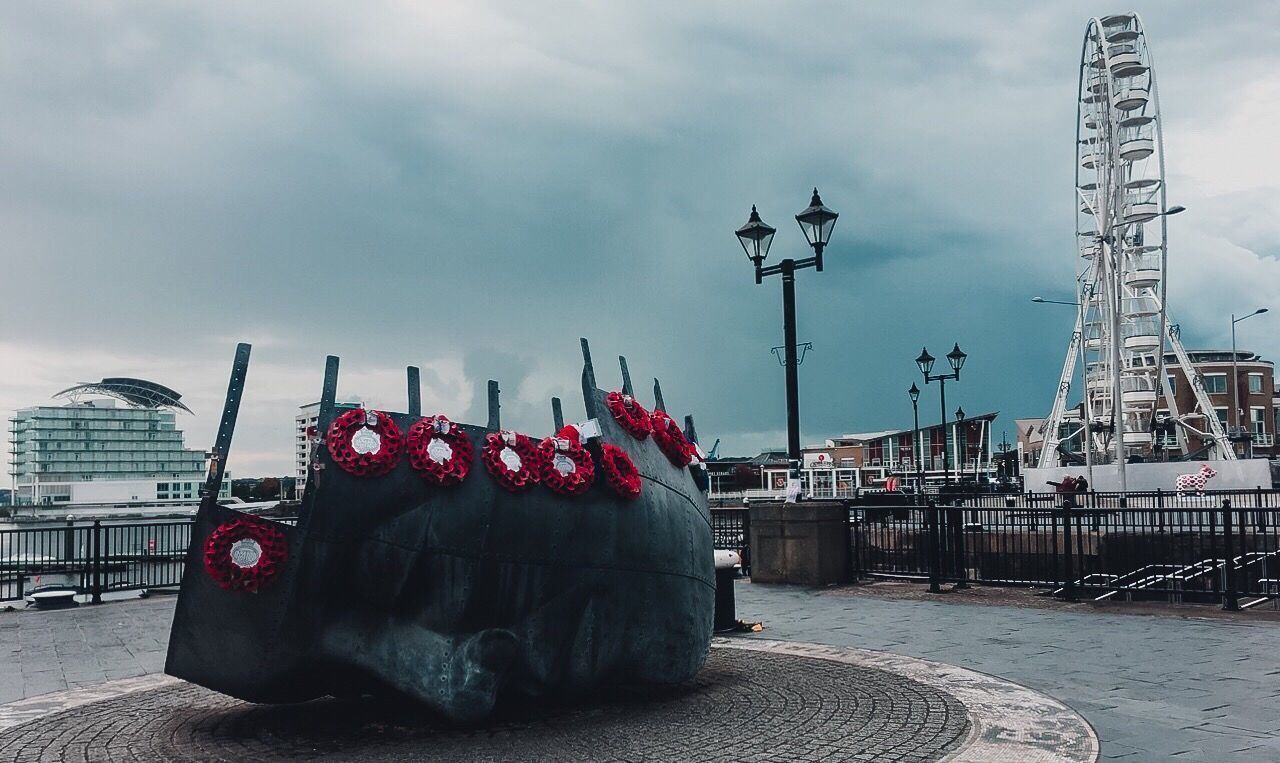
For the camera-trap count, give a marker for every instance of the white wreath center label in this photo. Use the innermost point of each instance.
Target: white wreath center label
(564, 464)
(366, 441)
(510, 459)
(246, 553)
(439, 450)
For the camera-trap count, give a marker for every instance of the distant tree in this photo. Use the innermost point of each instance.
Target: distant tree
(268, 488)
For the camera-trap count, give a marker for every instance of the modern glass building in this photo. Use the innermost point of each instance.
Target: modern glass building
(93, 450)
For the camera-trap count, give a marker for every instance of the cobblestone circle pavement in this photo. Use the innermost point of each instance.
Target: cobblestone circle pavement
(744, 705)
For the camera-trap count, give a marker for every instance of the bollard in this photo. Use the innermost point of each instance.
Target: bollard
(727, 565)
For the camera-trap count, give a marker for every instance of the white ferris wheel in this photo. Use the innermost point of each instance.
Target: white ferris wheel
(1123, 330)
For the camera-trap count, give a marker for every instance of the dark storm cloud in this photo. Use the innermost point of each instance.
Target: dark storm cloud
(477, 185)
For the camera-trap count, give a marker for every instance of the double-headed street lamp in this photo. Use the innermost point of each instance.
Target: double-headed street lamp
(956, 359)
(816, 221)
(1235, 384)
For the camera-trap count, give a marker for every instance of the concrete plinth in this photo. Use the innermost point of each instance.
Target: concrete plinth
(802, 543)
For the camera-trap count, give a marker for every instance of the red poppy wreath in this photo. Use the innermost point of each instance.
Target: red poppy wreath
(671, 440)
(619, 472)
(512, 459)
(439, 451)
(365, 442)
(629, 414)
(244, 554)
(567, 467)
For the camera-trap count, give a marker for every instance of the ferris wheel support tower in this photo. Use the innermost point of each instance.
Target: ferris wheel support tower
(1122, 324)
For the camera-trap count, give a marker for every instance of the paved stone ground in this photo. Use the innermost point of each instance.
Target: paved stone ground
(743, 706)
(1180, 687)
(42, 652)
(1154, 687)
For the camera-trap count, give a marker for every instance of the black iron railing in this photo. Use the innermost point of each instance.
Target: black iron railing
(1223, 547)
(92, 558)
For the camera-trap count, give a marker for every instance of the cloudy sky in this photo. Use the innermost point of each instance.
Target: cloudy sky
(472, 186)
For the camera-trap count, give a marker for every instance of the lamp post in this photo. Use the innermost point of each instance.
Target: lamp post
(925, 362)
(962, 440)
(816, 222)
(1235, 382)
(1086, 414)
(917, 456)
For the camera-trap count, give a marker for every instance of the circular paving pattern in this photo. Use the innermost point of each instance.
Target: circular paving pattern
(744, 705)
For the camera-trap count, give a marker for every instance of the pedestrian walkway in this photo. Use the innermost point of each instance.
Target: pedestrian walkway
(1154, 688)
(42, 652)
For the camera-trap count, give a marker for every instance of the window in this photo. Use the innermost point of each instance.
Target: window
(1258, 420)
(1215, 384)
(1173, 384)
(1255, 383)
(1222, 414)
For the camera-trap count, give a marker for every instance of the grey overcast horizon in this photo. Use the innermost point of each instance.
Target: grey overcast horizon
(470, 187)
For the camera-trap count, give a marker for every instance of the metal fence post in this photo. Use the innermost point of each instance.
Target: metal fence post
(956, 518)
(1229, 600)
(935, 549)
(97, 562)
(1068, 566)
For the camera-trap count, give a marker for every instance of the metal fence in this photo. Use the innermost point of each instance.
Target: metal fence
(731, 531)
(1103, 546)
(93, 558)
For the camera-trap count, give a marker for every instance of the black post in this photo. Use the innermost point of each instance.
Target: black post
(1068, 565)
(1229, 599)
(917, 450)
(97, 562)
(946, 452)
(793, 378)
(935, 549)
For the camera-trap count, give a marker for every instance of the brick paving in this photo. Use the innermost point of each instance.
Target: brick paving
(743, 706)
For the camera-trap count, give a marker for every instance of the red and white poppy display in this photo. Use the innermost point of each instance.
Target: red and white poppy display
(629, 414)
(365, 442)
(245, 553)
(439, 451)
(567, 467)
(671, 440)
(619, 472)
(512, 459)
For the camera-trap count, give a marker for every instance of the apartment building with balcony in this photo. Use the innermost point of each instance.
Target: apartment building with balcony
(114, 441)
(1259, 402)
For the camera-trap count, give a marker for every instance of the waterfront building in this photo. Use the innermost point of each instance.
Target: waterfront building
(844, 465)
(306, 436)
(1253, 428)
(1259, 401)
(114, 441)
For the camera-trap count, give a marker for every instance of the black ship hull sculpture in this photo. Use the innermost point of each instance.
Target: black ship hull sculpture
(453, 563)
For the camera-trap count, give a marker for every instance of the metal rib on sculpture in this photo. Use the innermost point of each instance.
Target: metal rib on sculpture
(451, 595)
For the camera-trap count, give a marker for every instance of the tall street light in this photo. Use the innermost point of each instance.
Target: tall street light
(925, 362)
(1085, 413)
(916, 450)
(963, 441)
(1235, 382)
(816, 222)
